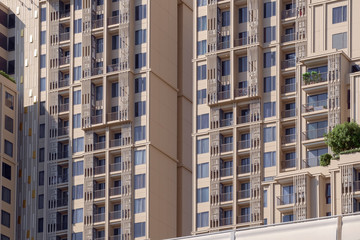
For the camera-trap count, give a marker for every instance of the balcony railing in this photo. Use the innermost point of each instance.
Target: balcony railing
(64, 14)
(243, 169)
(113, 68)
(99, 169)
(288, 37)
(116, 191)
(63, 131)
(62, 202)
(315, 106)
(226, 221)
(288, 63)
(61, 226)
(116, 142)
(241, 92)
(288, 113)
(243, 194)
(318, 78)
(119, 237)
(100, 217)
(356, 185)
(245, 144)
(113, 116)
(288, 163)
(243, 219)
(97, 71)
(64, 107)
(115, 215)
(62, 179)
(285, 199)
(114, 167)
(64, 36)
(64, 60)
(113, 20)
(288, 88)
(288, 13)
(311, 162)
(291, 138)
(226, 172)
(224, 95)
(227, 147)
(64, 82)
(313, 134)
(240, 42)
(97, 23)
(224, 197)
(99, 145)
(99, 193)
(223, 45)
(63, 154)
(226, 122)
(243, 119)
(96, 119)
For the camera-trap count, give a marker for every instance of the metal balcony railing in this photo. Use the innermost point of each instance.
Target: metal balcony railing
(356, 185)
(226, 221)
(288, 113)
(241, 92)
(226, 172)
(288, 88)
(113, 68)
(224, 95)
(318, 78)
(63, 154)
(288, 163)
(99, 169)
(227, 147)
(113, 20)
(116, 237)
(62, 202)
(113, 116)
(243, 194)
(243, 119)
(315, 106)
(243, 169)
(61, 226)
(224, 197)
(226, 122)
(64, 14)
(240, 42)
(288, 63)
(116, 191)
(311, 162)
(63, 131)
(99, 145)
(314, 134)
(245, 144)
(100, 217)
(96, 119)
(63, 107)
(114, 167)
(116, 142)
(99, 193)
(97, 23)
(115, 215)
(97, 71)
(288, 13)
(288, 37)
(64, 60)
(285, 199)
(243, 218)
(291, 138)
(223, 45)
(62, 179)
(64, 36)
(64, 82)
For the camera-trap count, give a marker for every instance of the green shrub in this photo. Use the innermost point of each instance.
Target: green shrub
(7, 76)
(325, 159)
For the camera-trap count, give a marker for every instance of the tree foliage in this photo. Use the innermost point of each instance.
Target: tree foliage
(325, 159)
(343, 137)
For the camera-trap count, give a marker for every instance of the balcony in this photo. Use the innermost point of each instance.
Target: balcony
(96, 119)
(291, 138)
(288, 113)
(225, 197)
(113, 20)
(97, 23)
(119, 237)
(245, 144)
(99, 145)
(64, 82)
(64, 14)
(288, 38)
(115, 167)
(288, 63)
(315, 106)
(115, 215)
(243, 194)
(244, 219)
(226, 221)
(285, 14)
(241, 92)
(64, 131)
(226, 172)
(100, 217)
(64, 36)
(288, 163)
(240, 42)
(285, 199)
(224, 95)
(62, 179)
(223, 45)
(311, 78)
(64, 60)
(61, 227)
(356, 186)
(63, 155)
(97, 71)
(99, 169)
(116, 143)
(243, 169)
(288, 88)
(226, 122)
(311, 162)
(114, 191)
(63, 202)
(113, 68)
(227, 147)
(99, 193)
(243, 119)
(314, 134)
(63, 107)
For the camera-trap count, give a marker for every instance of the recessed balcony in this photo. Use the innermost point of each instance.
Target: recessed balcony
(96, 119)
(97, 71)
(288, 38)
(99, 170)
(243, 194)
(65, 82)
(241, 92)
(244, 119)
(226, 172)
(288, 13)
(288, 88)
(243, 169)
(223, 45)
(64, 131)
(226, 122)
(311, 162)
(288, 113)
(99, 193)
(63, 107)
(315, 106)
(225, 197)
(288, 163)
(62, 202)
(99, 146)
(226, 221)
(98, 23)
(285, 199)
(314, 78)
(226, 147)
(116, 215)
(290, 138)
(289, 63)
(314, 134)
(64, 60)
(244, 219)
(245, 144)
(224, 95)
(100, 217)
(241, 42)
(64, 37)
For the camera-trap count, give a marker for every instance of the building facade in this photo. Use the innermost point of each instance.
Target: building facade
(103, 87)
(270, 79)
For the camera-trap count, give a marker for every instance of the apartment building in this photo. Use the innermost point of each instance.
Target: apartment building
(104, 118)
(8, 129)
(270, 78)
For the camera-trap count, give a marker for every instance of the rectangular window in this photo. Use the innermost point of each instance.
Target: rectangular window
(77, 236)
(265, 198)
(115, 89)
(41, 178)
(202, 121)
(269, 34)
(6, 194)
(140, 108)
(77, 192)
(139, 205)
(140, 36)
(77, 50)
(41, 201)
(43, 61)
(201, 96)
(9, 124)
(225, 68)
(77, 97)
(201, 23)
(42, 84)
(140, 84)
(243, 15)
(77, 25)
(225, 18)
(139, 133)
(269, 109)
(99, 45)
(43, 14)
(8, 148)
(339, 41)
(140, 60)
(77, 73)
(201, 3)
(77, 120)
(43, 37)
(139, 229)
(6, 171)
(269, 84)
(115, 43)
(99, 93)
(328, 193)
(77, 215)
(78, 145)
(201, 72)
(339, 14)
(202, 146)
(201, 47)
(269, 59)
(202, 195)
(78, 168)
(139, 157)
(78, 4)
(140, 12)
(42, 130)
(269, 9)
(40, 225)
(202, 219)
(202, 170)
(269, 159)
(11, 46)
(243, 64)
(42, 108)
(11, 67)
(3, 237)
(5, 218)
(9, 100)
(41, 154)
(269, 134)
(139, 181)
(288, 218)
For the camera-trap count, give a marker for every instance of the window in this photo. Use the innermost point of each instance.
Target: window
(77, 50)
(41, 201)
(139, 205)
(140, 36)
(243, 15)
(41, 178)
(139, 181)
(202, 195)
(202, 219)
(313, 156)
(269, 9)
(77, 236)
(269, 134)
(6, 171)
(139, 229)
(269, 159)
(225, 18)
(269, 84)
(243, 64)
(99, 92)
(78, 4)
(201, 96)
(201, 3)
(42, 130)
(77, 73)
(11, 67)
(288, 218)
(78, 145)
(328, 193)
(77, 215)
(140, 12)
(139, 157)
(6, 194)
(9, 100)
(339, 14)
(43, 61)
(269, 59)
(8, 148)
(5, 218)
(140, 85)
(269, 34)
(43, 37)
(41, 154)
(201, 72)
(9, 124)
(77, 25)
(40, 225)
(115, 43)
(115, 89)
(11, 46)
(140, 133)
(99, 45)
(77, 120)
(265, 198)
(202, 146)
(78, 168)
(339, 41)
(202, 170)
(269, 109)
(3, 237)
(201, 47)
(140, 60)
(201, 24)
(77, 97)
(43, 14)
(225, 68)
(140, 108)
(202, 121)
(77, 191)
